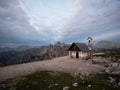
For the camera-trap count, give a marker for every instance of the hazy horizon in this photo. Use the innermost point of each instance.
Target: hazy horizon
(41, 22)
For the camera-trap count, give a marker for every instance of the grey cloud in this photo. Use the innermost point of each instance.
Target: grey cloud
(96, 17)
(14, 26)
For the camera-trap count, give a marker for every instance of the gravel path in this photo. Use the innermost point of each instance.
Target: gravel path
(64, 64)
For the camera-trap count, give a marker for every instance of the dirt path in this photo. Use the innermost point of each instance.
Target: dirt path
(64, 64)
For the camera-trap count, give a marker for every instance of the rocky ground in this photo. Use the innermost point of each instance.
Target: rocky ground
(63, 64)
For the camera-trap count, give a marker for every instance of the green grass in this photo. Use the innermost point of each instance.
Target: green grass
(42, 81)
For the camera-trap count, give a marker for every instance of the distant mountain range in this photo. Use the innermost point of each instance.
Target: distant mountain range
(27, 54)
(19, 48)
(100, 45)
(107, 45)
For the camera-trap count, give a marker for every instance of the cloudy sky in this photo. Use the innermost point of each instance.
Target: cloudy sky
(40, 22)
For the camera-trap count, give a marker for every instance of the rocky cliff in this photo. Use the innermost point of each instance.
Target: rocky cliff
(34, 54)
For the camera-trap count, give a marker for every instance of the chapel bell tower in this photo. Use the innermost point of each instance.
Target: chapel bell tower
(90, 46)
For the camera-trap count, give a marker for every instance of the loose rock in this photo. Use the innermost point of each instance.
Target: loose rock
(66, 88)
(75, 84)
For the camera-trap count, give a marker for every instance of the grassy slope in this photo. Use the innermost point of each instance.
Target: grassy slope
(43, 80)
(46, 80)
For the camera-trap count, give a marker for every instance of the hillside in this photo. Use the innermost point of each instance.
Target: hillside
(56, 74)
(62, 64)
(107, 45)
(51, 80)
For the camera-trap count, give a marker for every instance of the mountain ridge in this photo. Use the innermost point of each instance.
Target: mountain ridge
(19, 48)
(104, 44)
